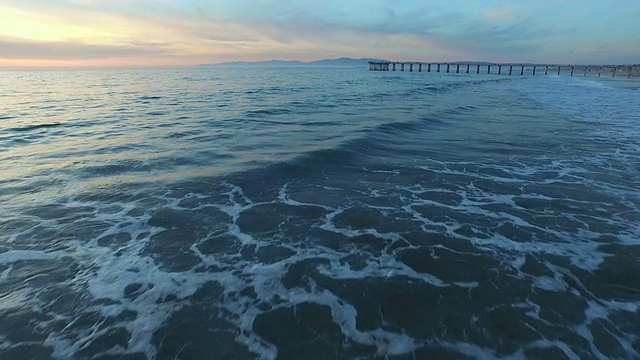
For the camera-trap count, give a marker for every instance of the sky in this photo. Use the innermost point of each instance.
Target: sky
(52, 33)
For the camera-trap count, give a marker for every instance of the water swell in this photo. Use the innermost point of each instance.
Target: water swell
(357, 151)
(267, 112)
(29, 128)
(384, 139)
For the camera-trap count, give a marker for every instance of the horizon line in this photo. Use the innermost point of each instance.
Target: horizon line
(369, 59)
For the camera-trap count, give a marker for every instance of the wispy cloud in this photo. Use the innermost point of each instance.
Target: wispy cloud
(196, 31)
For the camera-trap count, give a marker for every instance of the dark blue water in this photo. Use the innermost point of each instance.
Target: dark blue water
(317, 213)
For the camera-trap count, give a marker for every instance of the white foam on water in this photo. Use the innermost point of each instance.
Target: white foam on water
(345, 315)
(16, 299)
(384, 267)
(268, 287)
(550, 284)
(4, 342)
(350, 232)
(546, 343)
(471, 350)
(12, 256)
(107, 274)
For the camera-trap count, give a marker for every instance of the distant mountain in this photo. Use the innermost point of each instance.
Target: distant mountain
(259, 63)
(343, 61)
(339, 62)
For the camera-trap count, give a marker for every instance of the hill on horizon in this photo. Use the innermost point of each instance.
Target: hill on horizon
(340, 62)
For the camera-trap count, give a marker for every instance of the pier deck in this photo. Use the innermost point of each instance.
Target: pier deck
(507, 68)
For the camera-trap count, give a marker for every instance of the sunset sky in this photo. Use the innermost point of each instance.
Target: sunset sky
(189, 32)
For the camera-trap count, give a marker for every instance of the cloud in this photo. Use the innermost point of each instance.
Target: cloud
(222, 30)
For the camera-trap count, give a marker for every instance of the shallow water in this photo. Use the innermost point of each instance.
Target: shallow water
(317, 213)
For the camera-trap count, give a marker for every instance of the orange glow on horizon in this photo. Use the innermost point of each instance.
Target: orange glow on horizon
(125, 62)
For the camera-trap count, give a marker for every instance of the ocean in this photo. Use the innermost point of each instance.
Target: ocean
(318, 213)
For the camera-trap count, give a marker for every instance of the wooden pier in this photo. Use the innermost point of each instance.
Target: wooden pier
(627, 71)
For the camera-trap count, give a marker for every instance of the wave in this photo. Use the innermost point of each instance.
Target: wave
(147, 98)
(355, 152)
(34, 127)
(267, 112)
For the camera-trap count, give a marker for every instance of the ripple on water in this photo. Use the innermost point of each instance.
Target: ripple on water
(386, 238)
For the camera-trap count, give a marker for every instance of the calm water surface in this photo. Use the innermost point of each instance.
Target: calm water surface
(317, 213)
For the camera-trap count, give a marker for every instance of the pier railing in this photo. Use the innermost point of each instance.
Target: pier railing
(507, 68)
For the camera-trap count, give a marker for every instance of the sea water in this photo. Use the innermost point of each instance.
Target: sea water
(317, 213)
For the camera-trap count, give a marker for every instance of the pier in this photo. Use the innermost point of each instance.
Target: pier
(627, 71)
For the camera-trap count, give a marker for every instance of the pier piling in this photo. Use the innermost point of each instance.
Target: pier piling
(571, 69)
